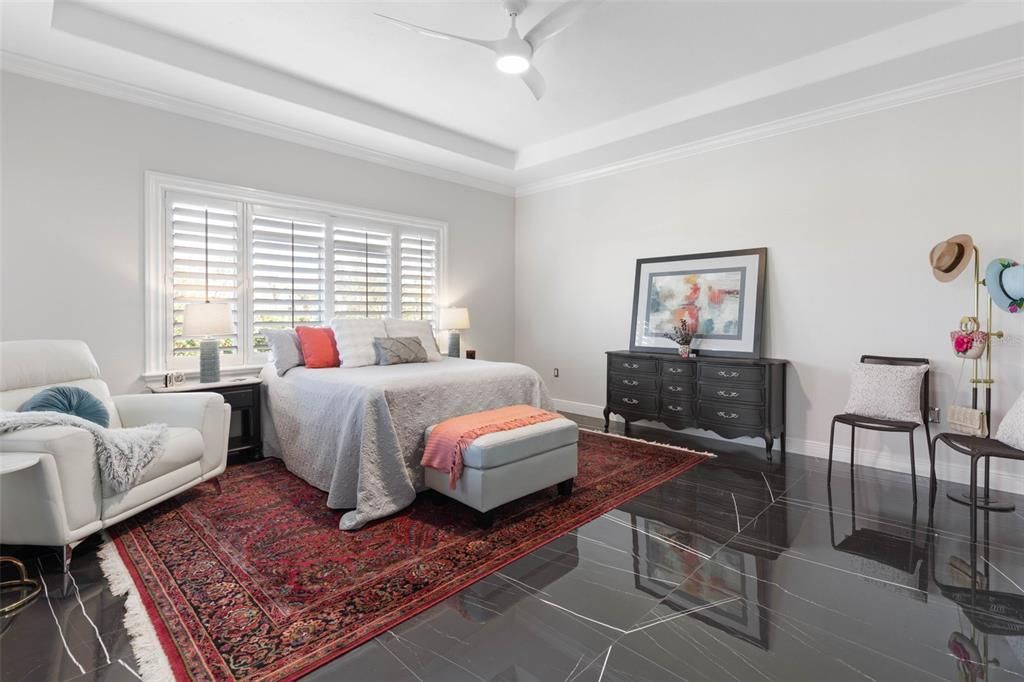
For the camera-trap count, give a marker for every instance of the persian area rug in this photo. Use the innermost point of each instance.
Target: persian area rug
(258, 583)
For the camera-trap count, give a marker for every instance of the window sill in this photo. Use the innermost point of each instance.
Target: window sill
(157, 378)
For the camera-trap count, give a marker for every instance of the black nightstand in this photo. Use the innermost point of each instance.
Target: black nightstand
(243, 394)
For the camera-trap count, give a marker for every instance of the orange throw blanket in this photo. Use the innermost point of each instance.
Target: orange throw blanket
(449, 439)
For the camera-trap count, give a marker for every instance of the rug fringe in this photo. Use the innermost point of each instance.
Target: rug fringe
(153, 664)
(705, 453)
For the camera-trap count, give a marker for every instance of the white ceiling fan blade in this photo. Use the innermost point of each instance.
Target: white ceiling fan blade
(534, 81)
(489, 44)
(556, 22)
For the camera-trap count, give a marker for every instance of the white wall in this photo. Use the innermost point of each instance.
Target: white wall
(71, 264)
(848, 211)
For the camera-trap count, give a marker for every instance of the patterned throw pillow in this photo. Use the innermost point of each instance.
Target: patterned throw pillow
(421, 329)
(887, 391)
(71, 400)
(399, 350)
(1011, 429)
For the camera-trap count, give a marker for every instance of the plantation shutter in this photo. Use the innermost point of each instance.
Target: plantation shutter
(419, 275)
(288, 273)
(362, 272)
(203, 232)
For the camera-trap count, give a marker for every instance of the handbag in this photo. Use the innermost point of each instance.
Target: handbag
(968, 421)
(968, 341)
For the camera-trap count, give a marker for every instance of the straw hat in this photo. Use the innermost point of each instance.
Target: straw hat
(949, 258)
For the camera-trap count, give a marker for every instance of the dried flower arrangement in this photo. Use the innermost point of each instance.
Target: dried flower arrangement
(681, 333)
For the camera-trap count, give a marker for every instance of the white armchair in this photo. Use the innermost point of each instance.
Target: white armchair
(60, 499)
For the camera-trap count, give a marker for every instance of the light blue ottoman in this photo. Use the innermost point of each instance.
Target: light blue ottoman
(504, 466)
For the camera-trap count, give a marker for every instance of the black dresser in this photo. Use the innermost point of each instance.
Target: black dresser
(732, 397)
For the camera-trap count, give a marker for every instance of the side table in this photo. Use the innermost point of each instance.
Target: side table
(244, 396)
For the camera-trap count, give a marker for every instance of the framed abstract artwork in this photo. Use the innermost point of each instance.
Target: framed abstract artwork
(720, 295)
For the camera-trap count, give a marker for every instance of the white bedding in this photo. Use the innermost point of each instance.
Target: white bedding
(358, 433)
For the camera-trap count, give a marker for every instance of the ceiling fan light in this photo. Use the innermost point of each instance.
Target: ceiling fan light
(512, 63)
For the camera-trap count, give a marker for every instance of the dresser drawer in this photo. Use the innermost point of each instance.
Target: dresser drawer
(639, 383)
(676, 408)
(735, 415)
(742, 374)
(678, 370)
(677, 388)
(633, 401)
(625, 364)
(732, 393)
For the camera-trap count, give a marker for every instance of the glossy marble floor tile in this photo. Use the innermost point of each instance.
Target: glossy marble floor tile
(74, 630)
(735, 570)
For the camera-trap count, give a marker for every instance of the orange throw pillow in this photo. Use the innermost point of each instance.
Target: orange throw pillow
(318, 347)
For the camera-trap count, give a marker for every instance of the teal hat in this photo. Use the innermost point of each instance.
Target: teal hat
(1004, 279)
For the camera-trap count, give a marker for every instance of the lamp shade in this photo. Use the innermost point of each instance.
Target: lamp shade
(454, 318)
(208, 319)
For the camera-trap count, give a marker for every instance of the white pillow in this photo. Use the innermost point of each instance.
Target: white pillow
(886, 391)
(418, 328)
(1011, 429)
(355, 340)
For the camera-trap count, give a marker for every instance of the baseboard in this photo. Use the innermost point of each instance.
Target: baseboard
(945, 469)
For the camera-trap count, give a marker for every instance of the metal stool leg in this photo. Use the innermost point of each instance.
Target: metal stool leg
(974, 502)
(831, 443)
(31, 586)
(913, 467)
(853, 433)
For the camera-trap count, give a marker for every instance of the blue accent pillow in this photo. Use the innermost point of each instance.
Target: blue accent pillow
(69, 400)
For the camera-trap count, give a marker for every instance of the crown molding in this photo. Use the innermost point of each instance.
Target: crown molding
(939, 87)
(947, 85)
(61, 75)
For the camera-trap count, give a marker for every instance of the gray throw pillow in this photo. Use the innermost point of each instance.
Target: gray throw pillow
(284, 348)
(398, 350)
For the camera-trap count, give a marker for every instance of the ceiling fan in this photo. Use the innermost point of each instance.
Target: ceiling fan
(515, 52)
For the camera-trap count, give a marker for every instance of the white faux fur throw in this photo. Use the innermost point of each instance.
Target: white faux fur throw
(122, 453)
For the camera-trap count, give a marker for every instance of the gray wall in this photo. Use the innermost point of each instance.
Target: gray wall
(848, 211)
(71, 264)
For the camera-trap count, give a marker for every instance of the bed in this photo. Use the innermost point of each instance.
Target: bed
(357, 433)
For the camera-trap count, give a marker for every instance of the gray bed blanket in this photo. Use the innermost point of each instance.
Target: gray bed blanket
(358, 433)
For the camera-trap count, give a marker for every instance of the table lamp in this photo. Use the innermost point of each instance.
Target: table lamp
(454, 320)
(207, 320)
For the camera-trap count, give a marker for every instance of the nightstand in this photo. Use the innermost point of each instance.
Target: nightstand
(243, 394)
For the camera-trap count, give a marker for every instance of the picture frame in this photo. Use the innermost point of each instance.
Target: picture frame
(721, 294)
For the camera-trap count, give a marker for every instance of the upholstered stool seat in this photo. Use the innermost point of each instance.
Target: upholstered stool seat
(504, 466)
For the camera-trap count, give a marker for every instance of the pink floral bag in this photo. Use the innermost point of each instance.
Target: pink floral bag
(969, 341)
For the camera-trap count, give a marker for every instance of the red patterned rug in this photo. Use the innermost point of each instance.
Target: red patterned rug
(259, 583)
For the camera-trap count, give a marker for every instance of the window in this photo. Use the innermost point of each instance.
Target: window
(280, 262)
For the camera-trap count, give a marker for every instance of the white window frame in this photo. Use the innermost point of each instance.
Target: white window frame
(159, 290)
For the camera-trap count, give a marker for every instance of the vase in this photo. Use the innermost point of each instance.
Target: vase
(684, 351)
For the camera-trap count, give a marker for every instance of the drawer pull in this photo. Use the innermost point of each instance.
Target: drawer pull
(630, 401)
(675, 370)
(728, 394)
(675, 389)
(675, 408)
(630, 365)
(728, 415)
(728, 375)
(631, 382)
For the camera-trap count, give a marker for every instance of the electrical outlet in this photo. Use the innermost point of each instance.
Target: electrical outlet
(556, 372)
(934, 415)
